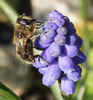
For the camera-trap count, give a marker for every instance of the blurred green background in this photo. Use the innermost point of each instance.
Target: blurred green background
(28, 85)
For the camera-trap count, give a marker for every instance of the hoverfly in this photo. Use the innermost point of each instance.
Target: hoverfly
(25, 29)
(23, 37)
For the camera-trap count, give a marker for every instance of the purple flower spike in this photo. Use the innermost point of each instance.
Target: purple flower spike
(60, 45)
(49, 33)
(67, 86)
(70, 51)
(44, 39)
(80, 58)
(60, 40)
(54, 49)
(39, 45)
(62, 30)
(60, 22)
(55, 15)
(75, 74)
(43, 70)
(52, 74)
(65, 63)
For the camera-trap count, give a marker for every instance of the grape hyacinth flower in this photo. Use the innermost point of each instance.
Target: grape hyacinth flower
(61, 48)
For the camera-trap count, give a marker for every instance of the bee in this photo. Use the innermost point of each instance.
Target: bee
(23, 37)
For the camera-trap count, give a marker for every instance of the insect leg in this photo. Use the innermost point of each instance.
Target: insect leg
(30, 59)
(37, 27)
(37, 35)
(39, 24)
(37, 48)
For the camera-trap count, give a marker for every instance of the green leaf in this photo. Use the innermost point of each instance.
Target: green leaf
(8, 93)
(3, 98)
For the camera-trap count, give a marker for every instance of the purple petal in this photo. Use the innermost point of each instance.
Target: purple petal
(49, 25)
(39, 45)
(67, 86)
(80, 58)
(71, 28)
(60, 22)
(54, 49)
(65, 63)
(49, 33)
(55, 15)
(62, 30)
(70, 51)
(52, 74)
(44, 39)
(60, 40)
(43, 70)
(79, 41)
(45, 54)
(46, 24)
(75, 74)
(35, 64)
(71, 39)
(66, 20)
(38, 63)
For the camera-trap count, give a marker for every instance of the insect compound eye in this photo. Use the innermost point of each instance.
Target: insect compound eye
(23, 21)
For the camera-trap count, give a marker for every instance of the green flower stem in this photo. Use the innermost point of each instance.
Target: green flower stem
(9, 10)
(56, 91)
(8, 93)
